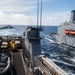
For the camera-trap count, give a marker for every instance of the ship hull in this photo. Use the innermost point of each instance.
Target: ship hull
(66, 31)
(67, 39)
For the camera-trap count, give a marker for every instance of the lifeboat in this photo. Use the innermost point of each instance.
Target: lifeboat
(71, 32)
(66, 31)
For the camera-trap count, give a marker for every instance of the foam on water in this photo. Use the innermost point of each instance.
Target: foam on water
(61, 54)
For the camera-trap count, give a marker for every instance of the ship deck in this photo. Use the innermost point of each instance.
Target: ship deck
(18, 64)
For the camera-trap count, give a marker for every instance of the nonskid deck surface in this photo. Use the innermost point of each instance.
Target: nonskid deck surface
(18, 64)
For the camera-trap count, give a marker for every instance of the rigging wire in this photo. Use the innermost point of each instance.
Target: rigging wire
(73, 41)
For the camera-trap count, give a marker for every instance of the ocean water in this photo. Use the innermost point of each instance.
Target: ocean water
(62, 55)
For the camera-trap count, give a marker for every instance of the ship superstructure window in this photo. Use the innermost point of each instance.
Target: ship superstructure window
(73, 16)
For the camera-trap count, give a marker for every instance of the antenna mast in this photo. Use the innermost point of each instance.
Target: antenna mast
(39, 13)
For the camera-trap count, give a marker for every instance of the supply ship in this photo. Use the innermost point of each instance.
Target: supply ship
(66, 32)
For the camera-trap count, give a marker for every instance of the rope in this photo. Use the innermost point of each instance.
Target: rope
(67, 43)
(65, 40)
(73, 41)
(52, 48)
(57, 40)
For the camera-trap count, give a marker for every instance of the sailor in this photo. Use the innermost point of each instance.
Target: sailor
(12, 45)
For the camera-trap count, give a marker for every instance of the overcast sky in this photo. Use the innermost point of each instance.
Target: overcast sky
(23, 12)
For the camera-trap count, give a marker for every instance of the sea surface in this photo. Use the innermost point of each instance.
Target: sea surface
(62, 55)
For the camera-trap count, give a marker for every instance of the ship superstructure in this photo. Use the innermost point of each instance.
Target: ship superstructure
(66, 31)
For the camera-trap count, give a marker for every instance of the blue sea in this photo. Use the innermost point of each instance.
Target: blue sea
(62, 55)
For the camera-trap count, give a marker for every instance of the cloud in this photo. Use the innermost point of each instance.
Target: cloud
(10, 11)
(22, 19)
(18, 10)
(15, 9)
(18, 5)
(16, 19)
(56, 18)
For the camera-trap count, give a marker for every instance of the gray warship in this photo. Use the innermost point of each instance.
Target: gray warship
(66, 32)
(21, 55)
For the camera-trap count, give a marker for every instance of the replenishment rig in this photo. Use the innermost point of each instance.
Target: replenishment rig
(66, 31)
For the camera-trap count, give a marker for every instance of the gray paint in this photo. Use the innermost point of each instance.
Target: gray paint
(32, 43)
(62, 37)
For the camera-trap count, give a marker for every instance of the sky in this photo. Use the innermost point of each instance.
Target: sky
(24, 12)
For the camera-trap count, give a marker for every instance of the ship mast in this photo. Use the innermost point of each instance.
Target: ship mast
(39, 13)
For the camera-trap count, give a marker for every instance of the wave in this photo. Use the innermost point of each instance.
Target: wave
(50, 39)
(10, 32)
(64, 63)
